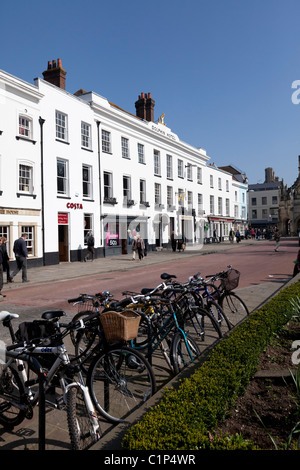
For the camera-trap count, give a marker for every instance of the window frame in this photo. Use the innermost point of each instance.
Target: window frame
(64, 178)
(157, 194)
(61, 126)
(141, 152)
(125, 147)
(107, 188)
(106, 141)
(88, 225)
(156, 163)
(25, 131)
(169, 165)
(180, 172)
(86, 135)
(143, 193)
(27, 180)
(30, 241)
(126, 190)
(88, 183)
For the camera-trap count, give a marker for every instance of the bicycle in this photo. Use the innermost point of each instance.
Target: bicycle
(119, 378)
(224, 282)
(88, 304)
(163, 323)
(194, 309)
(41, 347)
(208, 293)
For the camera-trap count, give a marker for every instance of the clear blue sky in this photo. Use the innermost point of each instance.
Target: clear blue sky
(220, 70)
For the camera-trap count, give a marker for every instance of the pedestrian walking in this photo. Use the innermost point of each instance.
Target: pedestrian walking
(238, 236)
(277, 237)
(231, 235)
(90, 247)
(5, 259)
(140, 245)
(134, 247)
(173, 241)
(21, 253)
(258, 234)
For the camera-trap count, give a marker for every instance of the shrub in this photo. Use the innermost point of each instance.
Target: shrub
(185, 418)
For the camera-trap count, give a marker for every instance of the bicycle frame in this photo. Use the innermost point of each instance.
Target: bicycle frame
(20, 355)
(162, 333)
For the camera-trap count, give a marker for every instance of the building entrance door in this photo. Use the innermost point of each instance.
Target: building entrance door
(63, 243)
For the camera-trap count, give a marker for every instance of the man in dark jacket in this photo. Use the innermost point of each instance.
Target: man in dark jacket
(20, 251)
(90, 246)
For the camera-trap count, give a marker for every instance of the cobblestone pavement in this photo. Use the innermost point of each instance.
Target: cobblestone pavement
(25, 436)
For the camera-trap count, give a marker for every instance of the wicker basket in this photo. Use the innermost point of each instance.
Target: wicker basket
(120, 326)
(231, 281)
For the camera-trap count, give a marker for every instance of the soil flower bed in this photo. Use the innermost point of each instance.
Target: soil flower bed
(269, 410)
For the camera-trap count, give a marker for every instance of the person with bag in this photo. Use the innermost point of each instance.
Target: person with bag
(134, 247)
(140, 247)
(5, 259)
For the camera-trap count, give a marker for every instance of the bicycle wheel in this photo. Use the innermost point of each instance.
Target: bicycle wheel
(81, 431)
(234, 308)
(184, 352)
(218, 313)
(120, 380)
(12, 397)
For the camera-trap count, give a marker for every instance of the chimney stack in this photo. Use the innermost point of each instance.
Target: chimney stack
(55, 74)
(145, 107)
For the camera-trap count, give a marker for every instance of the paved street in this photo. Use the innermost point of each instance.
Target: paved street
(263, 272)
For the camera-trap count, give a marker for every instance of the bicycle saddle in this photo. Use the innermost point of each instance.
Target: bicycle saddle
(166, 276)
(50, 314)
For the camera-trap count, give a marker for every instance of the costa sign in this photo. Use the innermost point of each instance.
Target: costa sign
(74, 205)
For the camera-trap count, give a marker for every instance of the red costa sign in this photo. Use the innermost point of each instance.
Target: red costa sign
(74, 205)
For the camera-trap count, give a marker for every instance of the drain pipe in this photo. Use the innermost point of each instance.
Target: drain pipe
(42, 121)
(100, 190)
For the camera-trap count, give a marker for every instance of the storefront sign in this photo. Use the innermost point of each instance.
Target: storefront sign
(63, 218)
(164, 132)
(74, 205)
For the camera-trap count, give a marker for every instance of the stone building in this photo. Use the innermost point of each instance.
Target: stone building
(289, 207)
(263, 201)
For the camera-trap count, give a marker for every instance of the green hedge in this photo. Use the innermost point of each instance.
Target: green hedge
(185, 418)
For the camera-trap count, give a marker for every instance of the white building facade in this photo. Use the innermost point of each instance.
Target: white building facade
(74, 164)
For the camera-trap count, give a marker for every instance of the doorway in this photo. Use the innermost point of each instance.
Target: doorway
(63, 243)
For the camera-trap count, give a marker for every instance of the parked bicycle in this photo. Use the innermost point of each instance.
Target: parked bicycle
(224, 283)
(120, 379)
(195, 296)
(38, 348)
